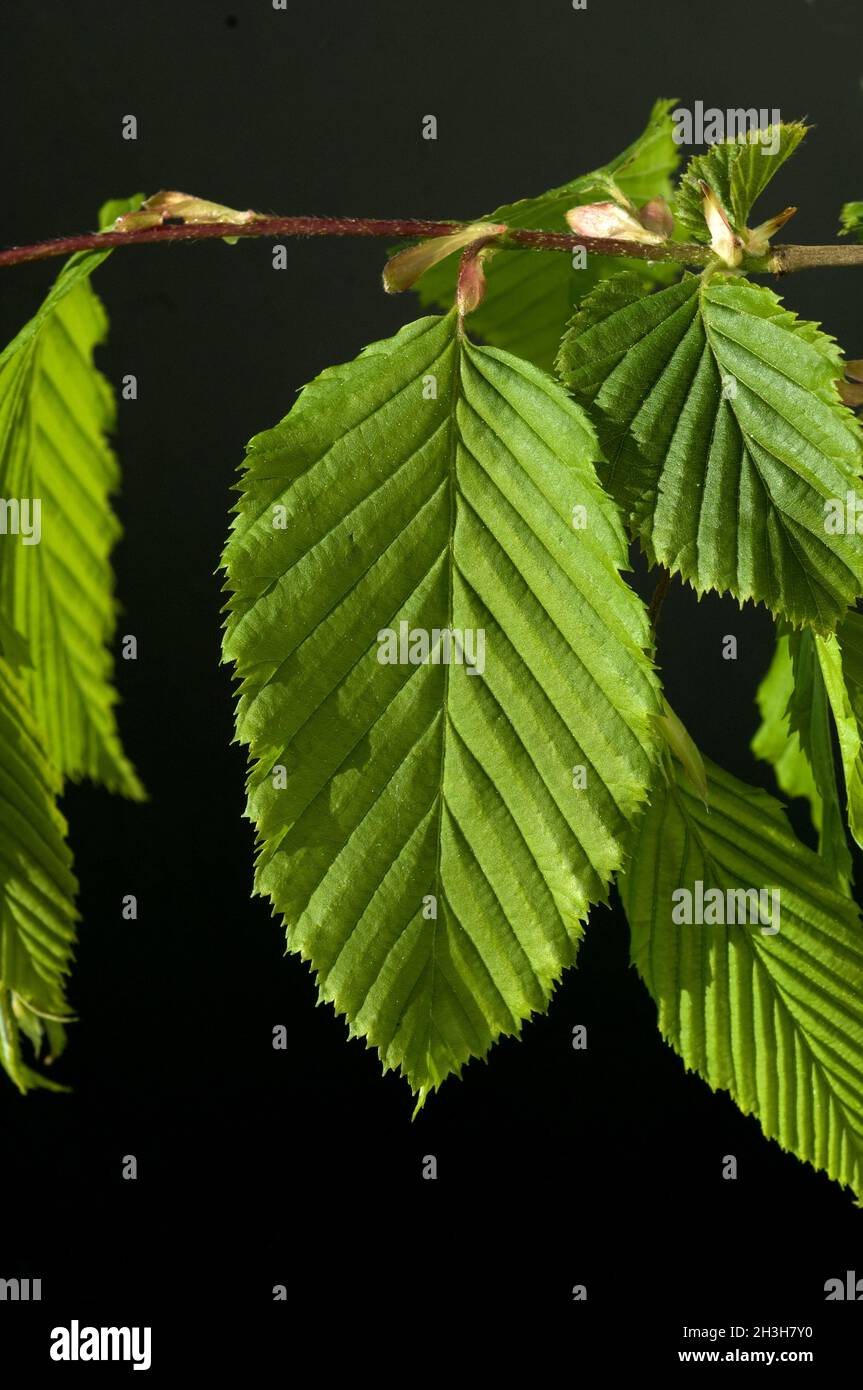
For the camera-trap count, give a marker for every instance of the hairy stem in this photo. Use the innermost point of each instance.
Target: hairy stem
(204, 231)
(780, 261)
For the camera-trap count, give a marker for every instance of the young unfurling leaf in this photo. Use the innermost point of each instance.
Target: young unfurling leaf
(611, 220)
(168, 206)
(530, 297)
(736, 172)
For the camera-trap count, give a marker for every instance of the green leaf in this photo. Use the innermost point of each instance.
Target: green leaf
(55, 411)
(841, 665)
(738, 172)
(725, 438)
(776, 1020)
(680, 742)
(851, 219)
(37, 888)
(774, 742)
(531, 294)
(809, 719)
(409, 786)
(810, 678)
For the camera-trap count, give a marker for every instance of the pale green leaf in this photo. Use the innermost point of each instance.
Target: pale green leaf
(737, 172)
(683, 748)
(809, 720)
(725, 438)
(774, 742)
(775, 1019)
(841, 664)
(379, 790)
(37, 888)
(57, 590)
(851, 219)
(531, 294)
(810, 679)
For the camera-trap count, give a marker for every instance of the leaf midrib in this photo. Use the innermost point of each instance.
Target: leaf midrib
(457, 345)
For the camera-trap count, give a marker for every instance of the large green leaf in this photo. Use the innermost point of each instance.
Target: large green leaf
(775, 1019)
(37, 888)
(738, 171)
(719, 415)
(531, 294)
(410, 786)
(55, 411)
(796, 737)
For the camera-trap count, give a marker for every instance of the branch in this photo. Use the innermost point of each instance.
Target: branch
(787, 258)
(204, 231)
(780, 261)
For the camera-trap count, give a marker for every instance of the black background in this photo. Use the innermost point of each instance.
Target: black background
(302, 1167)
